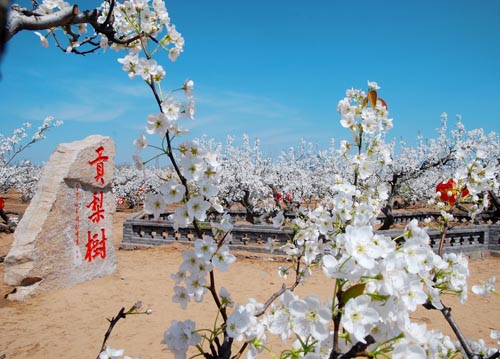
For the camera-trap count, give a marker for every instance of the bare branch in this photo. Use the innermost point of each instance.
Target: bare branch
(112, 322)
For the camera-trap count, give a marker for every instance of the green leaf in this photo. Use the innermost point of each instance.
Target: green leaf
(353, 292)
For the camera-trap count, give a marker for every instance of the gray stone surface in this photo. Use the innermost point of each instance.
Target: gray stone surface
(66, 234)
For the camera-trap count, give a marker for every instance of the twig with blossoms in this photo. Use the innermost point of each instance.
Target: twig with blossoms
(11, 147)
(193, 185)
(106, 351)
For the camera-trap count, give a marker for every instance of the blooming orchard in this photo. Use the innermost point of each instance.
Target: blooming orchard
(130, 184)
(376, 281)
(415, 171)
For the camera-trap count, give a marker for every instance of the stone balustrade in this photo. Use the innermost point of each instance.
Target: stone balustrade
(140, 230)
(466, 239)
(399, 217)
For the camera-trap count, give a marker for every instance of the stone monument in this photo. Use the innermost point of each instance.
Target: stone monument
(66, 234)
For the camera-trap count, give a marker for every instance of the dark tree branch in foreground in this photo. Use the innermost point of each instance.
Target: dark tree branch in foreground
(4, 12)
(446, 311)
(22, 19)
(112, 322)
(356, 351)
(19, 19)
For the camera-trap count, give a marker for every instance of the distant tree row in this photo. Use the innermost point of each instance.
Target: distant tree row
(301, 176)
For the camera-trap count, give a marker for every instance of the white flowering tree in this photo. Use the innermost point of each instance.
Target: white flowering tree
(470, 186)
(305, 174)
(245, 178)
(131, 185)
(415, 171)
(70, 27)
(21, 175)
(263, 185)
(376, 281)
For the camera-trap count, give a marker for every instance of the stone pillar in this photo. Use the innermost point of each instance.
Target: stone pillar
(65, 236)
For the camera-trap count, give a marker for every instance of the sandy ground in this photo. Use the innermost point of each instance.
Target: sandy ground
(71, 322)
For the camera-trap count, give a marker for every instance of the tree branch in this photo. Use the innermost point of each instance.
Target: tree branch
(446, 311)
(112, 322)
(4, 11)
(22, 19)
(358, 348)
(282, 290)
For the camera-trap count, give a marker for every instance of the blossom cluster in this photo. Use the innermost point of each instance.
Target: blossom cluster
(378, 284)
(194, 189)
(148, 19)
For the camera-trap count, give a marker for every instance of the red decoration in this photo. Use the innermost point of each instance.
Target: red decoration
(449, 191)
(77, 215)
(2, 204)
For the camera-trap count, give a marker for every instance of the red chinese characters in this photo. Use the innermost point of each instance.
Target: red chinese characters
(96, 246)
(99, 163)
(96, 206)
(96, 241)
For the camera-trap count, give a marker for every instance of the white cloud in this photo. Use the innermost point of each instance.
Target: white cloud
(232, 103)
(134, 89)
(76, 111)
(277, 125)
(94, 101)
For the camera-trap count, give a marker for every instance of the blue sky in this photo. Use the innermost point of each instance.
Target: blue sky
(272, 69)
